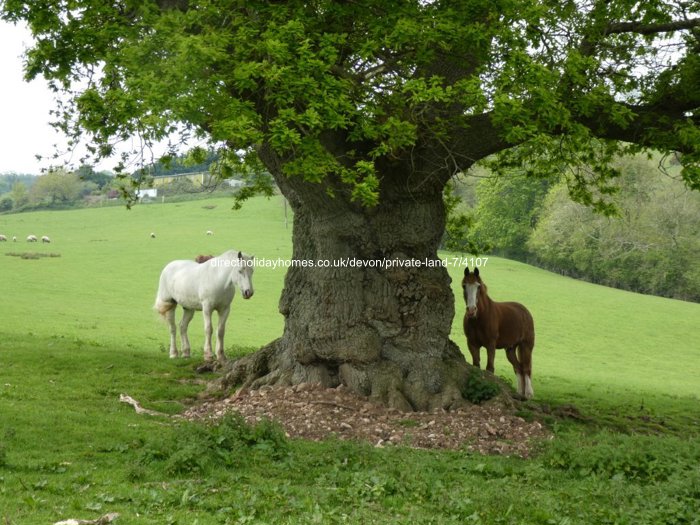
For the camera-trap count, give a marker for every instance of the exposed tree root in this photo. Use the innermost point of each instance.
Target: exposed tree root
(432, 383)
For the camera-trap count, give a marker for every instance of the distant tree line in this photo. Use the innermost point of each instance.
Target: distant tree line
(57, 188)
(8, 180)
(197, 161)
(648, 242)
(60, 188)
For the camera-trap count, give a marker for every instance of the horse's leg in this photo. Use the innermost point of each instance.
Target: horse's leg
(170, 318)
(207, 310)
(517, 368)
(490, 357)
(223, 315)
(525, 356)
(474, 351)
(184, 323)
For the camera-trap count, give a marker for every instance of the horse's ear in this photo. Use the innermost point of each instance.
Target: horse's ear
(476, 272)
(466, 271)
(240, 255)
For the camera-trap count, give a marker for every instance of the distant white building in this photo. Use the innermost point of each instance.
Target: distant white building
(150, 193)
(235, 183)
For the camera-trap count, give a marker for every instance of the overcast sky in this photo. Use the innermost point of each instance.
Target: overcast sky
(24, 108)
(24, 113)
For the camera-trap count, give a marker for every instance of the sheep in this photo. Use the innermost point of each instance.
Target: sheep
(153, 235)
(32, 238)
(45, 239)
(3, 238)
(209, 232)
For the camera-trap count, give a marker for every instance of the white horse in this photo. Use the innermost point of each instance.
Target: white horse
(207, 287)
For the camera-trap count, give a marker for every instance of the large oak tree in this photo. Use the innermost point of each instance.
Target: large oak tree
(362, 111)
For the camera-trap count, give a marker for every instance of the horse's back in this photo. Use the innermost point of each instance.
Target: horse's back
(176, 280)
(197, 286)
(175, 271)
(517, 324)
(175, 266)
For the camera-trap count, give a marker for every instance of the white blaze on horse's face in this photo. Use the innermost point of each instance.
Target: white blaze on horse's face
(471, 291)
(245, 276)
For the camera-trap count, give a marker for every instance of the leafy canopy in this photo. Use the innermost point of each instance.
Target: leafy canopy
(345, 89)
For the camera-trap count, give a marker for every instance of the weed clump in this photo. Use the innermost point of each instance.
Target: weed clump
(479, 388)
(624, 457)
(195, 448)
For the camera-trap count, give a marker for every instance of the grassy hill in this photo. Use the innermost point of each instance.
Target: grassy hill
(77, 329)
(106, 277)
(103, 284)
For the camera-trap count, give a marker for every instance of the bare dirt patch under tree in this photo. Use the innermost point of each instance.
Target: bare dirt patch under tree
(313, 412)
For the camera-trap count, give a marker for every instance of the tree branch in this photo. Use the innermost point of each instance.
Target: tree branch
(648, 121)
(651, 29)
(469, 140)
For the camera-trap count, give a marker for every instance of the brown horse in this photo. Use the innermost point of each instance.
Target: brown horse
(498, 325)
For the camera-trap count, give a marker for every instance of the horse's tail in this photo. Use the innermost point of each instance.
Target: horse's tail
(163, 303)
(164, 300)
(163, 307)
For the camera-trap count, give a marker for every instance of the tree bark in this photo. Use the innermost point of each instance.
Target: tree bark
(381, 331)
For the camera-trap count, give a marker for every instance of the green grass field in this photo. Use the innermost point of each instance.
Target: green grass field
(77, 329)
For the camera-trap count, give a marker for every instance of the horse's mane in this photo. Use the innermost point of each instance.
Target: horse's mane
(483, 288)
(483, 291)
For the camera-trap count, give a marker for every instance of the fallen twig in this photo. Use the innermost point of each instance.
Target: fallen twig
(137, 406)
(102, 520)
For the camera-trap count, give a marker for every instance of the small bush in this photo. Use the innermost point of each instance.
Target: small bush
(232, 432)
(193, 448)
(190, 459)
(480, 388)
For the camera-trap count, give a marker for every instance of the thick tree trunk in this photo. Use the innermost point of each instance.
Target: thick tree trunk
(382, 331)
